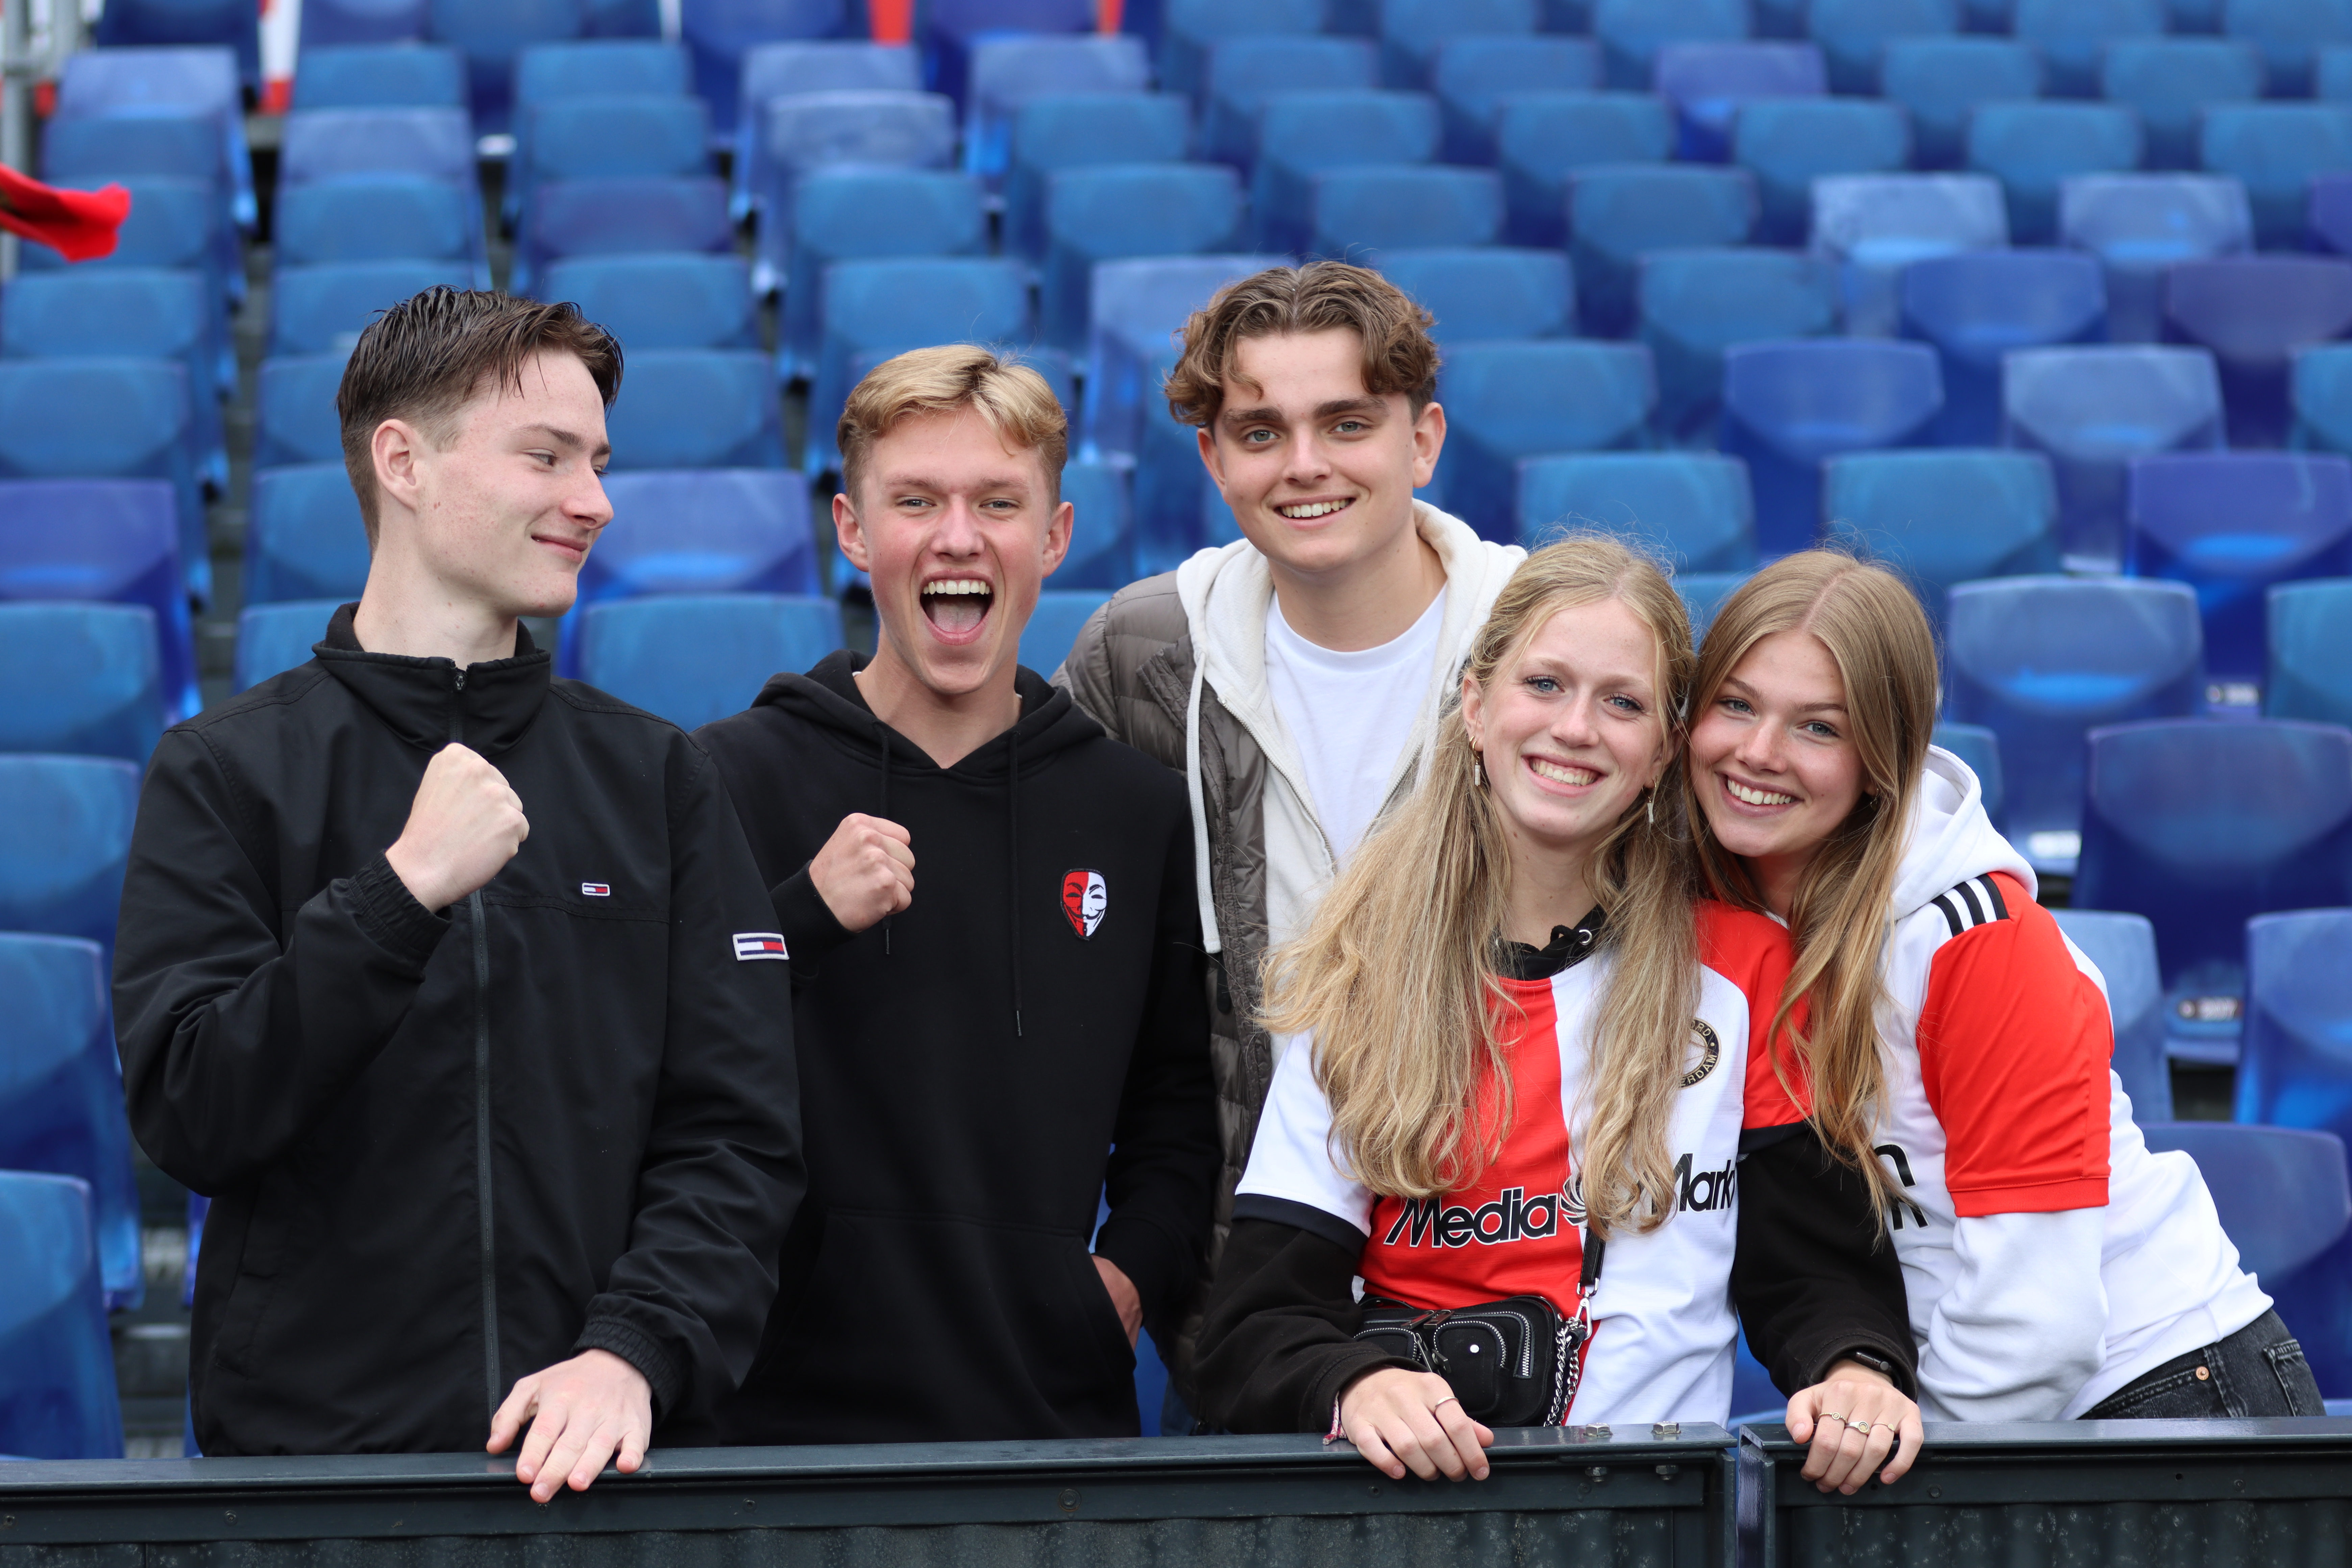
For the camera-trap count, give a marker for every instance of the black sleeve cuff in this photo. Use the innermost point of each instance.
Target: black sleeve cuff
(626, 1341)
(1151, 1259)
(810, 930)
(390, 913)
(1314, 1222)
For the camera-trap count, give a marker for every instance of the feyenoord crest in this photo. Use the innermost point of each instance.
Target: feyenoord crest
(1710, 1051)
(1083, 900)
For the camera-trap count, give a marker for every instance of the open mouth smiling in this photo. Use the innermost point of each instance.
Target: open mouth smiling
(957, 607)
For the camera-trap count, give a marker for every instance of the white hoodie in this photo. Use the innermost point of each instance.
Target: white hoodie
(2049, 1256)
(1225, 591)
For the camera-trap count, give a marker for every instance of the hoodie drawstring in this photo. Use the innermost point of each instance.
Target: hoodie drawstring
(1012, 858)
(1209, 941)
(882, 738)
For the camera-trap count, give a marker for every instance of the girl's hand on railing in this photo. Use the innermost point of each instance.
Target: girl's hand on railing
(1854, 1418)
(1404, 1421)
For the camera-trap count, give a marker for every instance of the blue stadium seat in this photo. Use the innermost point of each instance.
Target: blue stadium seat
(1243, 72)
(1361, 213)
(1054, 625)
(803, 66)
(2201, 826)
(335, 23)
(2329, 214)
(273, 639)
(138, 27)
(2139, 225)
(198, 79)
(1789, 143)
(1940, 82)
(2041, 661)
(127, 312)
(2030, 148)
(1473, 76)
(1703, 594)
(662, 301)
(1102, 524)
(305, 538)
(380, 75)
(628, 217)
(2123, 946)
(1541, 139)
(88, 680)
(57, 1393)
(2071, 34)
(694, 657)
(1009, 70)
(645, 136)
(294, 418)
(1413, 32)
(2276, 149)
(2231, 524)
(808, 132)
(1707, 84)
(1692, 508)
(2288, 33)
(697, 408)
(1631, 32)
(949, 32)
(2091, 410)
(2281, 1192)
(722, 35)
(1054, 132)
(888, 307)
(174, 224)
(2331, 72)
(1507, 401)
(863, 215)
(2169, 81)
(336, 143)
(2254, 312)
(2309, 674)
(1855, 34)
(1487, 294)
(1874, 226)
(379, 218)
(1694, 304)
(97, 151)
(106, 541)
(1787, 405)
(1190, 29)
(106, 419)
(2294, 1068)
(1111, 211)
(1301, 135)
(319, 310)
(61, 1107)
(1945, 517)
(2320, 387)
(492, 34)
(1976, 306)
(1980, 749)
(587, 68)
(65, 835)
(1617, 211)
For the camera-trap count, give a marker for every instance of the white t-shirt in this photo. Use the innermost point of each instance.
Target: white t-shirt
(1350, 714)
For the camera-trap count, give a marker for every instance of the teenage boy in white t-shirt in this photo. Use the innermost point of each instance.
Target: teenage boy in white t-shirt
(1296, 675)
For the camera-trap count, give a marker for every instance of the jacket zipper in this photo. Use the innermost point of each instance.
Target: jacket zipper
(492, 1383)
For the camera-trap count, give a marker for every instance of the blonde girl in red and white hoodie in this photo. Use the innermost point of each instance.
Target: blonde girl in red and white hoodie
(1958, 1044)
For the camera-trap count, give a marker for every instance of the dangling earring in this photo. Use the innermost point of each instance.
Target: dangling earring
(1653, 807)
(1478, 767)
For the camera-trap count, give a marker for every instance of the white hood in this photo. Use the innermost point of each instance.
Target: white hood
(1950, 838)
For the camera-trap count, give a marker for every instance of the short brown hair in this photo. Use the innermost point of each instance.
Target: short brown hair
(1015, 400)
(1321, 296)
(426, 358)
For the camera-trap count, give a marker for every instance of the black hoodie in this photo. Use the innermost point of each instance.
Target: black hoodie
(967, 1068)
(448, 1148)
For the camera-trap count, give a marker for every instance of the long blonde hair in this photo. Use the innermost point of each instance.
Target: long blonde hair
(1875, 633)
(1396, 977)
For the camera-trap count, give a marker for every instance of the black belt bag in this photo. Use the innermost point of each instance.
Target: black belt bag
(1512, 1363)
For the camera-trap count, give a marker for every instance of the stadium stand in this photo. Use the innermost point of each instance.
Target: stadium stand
(2275, 149)
(884, 307)
(696, 408)
(723, 35)
(2308, 672)
(1508, 401)
(1102, 524)
(1694, 304)
(339, 23)
(1302, 134)
(1631, 32)
(1855, 34)
(492, 34)
(107, 418)
(2071, 35)
(1492, 292)
(1789, 405)
(1112, 212)
(2254, 312)
(1054, 626)
(2123, 946)
(704, 531)
(806, 131)
(1472, 77)
(104, 541)
(1190, 29)
(1789, 143)
(379, 75)
(789, 69)
(2168, 82)
(662, 301)
(273, 639)
(319, 309)
(1940, 81)
(1618, 212)
(1541, 139)
(2033, 148)
(1978, 306)
(57, 1397)
(1876, 225)
(1943, 517)
(294, 410)
(861, 215)
(65, 835)
(1009, 70)
(1054, 132)
(1708, 83)
(694, 657)
(627, 216)
(1703, 594)
(1361, 214)
(2281, 1192)
(589, 70)
(155, 81)
(1692, 508)
(304, 538)
(1243, 72)
(2139, 225)
(90, 680)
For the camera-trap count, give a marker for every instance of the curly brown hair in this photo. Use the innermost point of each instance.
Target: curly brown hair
(1321, 296)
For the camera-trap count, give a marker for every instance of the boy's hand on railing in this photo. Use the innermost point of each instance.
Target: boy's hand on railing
(581, 1411)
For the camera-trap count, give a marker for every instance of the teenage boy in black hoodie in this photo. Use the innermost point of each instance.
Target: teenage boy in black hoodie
(441, 976)
(986, 1043)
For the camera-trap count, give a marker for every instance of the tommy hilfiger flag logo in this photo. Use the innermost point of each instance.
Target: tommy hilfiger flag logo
(1084, 899)
(595, 889)
(752, 945)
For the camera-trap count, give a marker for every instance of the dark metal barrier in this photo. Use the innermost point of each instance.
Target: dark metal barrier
(1640, 1498)
(2126, 1493)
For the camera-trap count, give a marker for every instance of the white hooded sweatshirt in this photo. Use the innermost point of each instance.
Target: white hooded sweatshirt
(2050, 1258)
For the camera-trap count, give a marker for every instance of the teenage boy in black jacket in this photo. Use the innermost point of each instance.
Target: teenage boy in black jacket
(984, 1044)
(445, 979)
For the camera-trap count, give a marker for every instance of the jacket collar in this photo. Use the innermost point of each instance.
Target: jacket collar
(493, 702)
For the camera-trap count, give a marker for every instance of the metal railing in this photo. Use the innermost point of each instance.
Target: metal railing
(1656, 1498)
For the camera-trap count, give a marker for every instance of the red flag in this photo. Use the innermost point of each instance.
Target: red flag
(78, 225)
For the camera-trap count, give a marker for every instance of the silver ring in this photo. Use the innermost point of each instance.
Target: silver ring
(1863, 1427)
(1833, 1415)
(1449, 1399)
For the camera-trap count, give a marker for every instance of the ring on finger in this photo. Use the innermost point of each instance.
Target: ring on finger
(1833, 1415)
(1449, 1399)
(1861, 1426)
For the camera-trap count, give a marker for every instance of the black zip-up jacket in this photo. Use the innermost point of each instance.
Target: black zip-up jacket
(967, 1066)
(447, 1149)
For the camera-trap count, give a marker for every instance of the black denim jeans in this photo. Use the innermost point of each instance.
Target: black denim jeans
(2258, 1371)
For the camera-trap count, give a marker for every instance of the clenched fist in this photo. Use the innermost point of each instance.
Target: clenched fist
(866, 870)
(465, 823)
